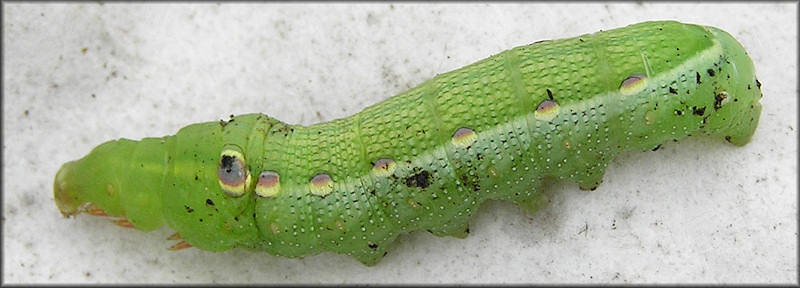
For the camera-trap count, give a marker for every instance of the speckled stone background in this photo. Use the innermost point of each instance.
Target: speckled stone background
(77, 75)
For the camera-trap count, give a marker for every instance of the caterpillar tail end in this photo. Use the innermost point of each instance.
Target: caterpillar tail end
(741, 134)
(737, 101)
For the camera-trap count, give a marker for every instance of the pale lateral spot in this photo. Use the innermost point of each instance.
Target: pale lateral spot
(648, 117)
(413, 203)
(339, 225)
(547, 110)
(321, 185)
(384, 167)
(492, 172)
(110, 189)
(268, 184)
(275, 228)
(464, 137)
(633, 84)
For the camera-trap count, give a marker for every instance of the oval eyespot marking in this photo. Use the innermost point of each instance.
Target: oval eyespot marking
(268, 184)
(547, 110)
(321, 185)
(492, 172)
(339, 225)
(413, 203)
(464, 137)
(384, 167)
(649, 117)
(633, 84)
(232, 172)
(275, 228)
(110, 189)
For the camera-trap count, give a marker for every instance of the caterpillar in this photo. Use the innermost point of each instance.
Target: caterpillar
(427, 158)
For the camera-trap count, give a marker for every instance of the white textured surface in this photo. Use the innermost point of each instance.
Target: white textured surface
(77, 75)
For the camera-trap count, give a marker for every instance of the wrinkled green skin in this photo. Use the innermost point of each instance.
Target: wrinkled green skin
(437, 185)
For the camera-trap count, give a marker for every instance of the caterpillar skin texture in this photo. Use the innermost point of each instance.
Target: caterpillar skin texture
(425, 159)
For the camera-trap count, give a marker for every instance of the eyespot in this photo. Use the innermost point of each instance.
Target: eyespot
(268, 184)
(275, 228)
(321, 185)
(384, 167)
(232, 172)
(649, 117)
(633, 84)
(464, 137)
(547, 110)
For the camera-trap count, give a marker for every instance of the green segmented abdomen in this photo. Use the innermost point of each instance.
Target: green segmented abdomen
(425, 159)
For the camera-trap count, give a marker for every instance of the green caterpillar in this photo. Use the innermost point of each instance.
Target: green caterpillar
(425, 159)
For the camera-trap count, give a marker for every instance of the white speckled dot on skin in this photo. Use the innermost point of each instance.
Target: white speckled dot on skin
(79, 74)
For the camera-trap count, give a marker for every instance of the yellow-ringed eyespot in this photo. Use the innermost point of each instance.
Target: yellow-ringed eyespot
(232, 172)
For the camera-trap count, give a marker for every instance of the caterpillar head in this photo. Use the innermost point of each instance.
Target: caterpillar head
(174, 180)
(108, 181)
